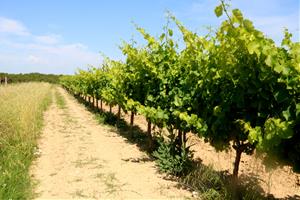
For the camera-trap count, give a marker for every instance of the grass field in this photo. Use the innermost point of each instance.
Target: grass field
(21, 114)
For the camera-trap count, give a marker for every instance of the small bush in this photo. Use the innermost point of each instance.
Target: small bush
(211, 194)
(213, 185)
(107, 118)
(207, 182)
(171, 158)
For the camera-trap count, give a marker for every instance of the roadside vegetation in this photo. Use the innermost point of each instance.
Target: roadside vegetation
(21, 120)
(60, 100)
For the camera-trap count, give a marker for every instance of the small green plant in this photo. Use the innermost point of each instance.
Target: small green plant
(213, 185)
(171, 158)
(60, 101)
(208, 183)
(211, 194)
(106, 118)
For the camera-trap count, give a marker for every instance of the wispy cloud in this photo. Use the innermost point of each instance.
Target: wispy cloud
(46, 53)
(49, 39)
(11, 26)
(34, 59)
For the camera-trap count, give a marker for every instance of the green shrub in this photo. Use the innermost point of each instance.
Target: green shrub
(171, 158)
(60, 100)
(211, 194)
(206, 181)
(214, 185)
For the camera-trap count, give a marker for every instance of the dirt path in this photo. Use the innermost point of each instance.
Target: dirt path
(81, 159)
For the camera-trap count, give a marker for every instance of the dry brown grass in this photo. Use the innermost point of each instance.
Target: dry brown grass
(21, 119)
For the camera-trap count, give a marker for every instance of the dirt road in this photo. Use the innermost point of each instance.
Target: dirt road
(81, 159)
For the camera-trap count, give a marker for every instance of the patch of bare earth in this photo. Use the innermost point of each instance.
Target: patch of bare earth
(81, 159)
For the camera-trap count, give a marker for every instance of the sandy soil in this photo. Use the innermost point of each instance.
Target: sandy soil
(81, 159)
(281, 182)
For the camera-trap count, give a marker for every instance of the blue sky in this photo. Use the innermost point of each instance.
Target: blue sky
(59, 36)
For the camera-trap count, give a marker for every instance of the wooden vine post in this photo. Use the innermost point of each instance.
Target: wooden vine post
(97, 103)
(119, 112)
(150, 139)
(131, 118)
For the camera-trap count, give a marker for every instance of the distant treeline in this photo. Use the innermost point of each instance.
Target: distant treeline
(30, 77)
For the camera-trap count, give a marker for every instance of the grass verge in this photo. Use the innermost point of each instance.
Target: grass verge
(60, 101)
(21, 120)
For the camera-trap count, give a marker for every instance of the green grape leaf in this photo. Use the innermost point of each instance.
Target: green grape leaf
(160, 114)
(217, 110)
(219, 10)
(248, 24)
(170, 31)
(279, 68)
(297, 109)
(281, 96)
(268, 60)
(162, 36)
(238, 14)
(253, 47)
(255, 135)
(177, 101)
(286, 114)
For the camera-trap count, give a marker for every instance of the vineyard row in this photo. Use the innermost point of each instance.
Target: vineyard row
(234, 87)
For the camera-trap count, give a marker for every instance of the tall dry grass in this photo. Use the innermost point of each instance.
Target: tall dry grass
(21, 119)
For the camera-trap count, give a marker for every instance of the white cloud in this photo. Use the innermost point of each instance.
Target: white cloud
(12, 27)
(40, 53)
(62, 58)
(34, 59)
(48, 39)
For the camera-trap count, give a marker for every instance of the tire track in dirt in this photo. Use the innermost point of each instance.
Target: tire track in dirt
(82, 159)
